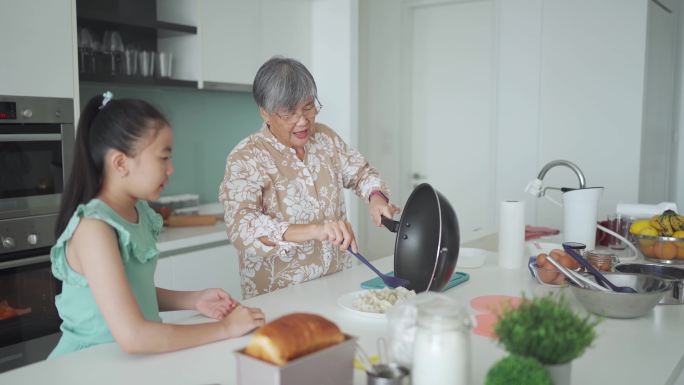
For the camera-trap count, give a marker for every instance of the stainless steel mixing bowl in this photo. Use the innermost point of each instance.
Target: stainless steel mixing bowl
(674, 275)
(650, 290)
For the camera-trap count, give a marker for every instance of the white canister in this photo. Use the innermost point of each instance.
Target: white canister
(441, 352)
(580, 212)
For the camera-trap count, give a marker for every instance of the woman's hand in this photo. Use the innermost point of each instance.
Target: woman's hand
(243, 320)
(338, 233)
(378, 206)
(215, 303)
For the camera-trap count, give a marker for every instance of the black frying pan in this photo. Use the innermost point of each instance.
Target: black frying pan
(428, 239)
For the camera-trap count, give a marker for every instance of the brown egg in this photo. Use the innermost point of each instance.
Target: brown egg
(559, 279)
(541, 260)
(557, 254)
(569, 262)
(547, 276)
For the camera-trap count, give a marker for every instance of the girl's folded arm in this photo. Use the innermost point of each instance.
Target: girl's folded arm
(95, 245)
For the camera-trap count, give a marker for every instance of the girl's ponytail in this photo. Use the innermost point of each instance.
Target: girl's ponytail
(85, 177)
(104, 125)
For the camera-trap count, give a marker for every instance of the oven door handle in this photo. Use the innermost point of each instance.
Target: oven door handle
(24, 262)
(30, 137)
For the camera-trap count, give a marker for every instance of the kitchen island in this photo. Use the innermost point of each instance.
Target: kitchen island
(647, 350)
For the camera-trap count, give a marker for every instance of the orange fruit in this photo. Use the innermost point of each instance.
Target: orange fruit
(665, 250)
(648, 251)
(680, 252)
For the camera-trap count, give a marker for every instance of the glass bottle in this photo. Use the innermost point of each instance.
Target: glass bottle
(441, 352)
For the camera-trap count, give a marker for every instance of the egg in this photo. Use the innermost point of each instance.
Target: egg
(560, 278)
(541, 260)
(547, 276)
(569, 262)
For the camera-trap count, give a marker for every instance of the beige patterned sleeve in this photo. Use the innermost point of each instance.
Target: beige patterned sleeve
(358, 174)
(241, 196)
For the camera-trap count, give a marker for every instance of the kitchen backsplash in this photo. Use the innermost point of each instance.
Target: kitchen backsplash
(206, 126)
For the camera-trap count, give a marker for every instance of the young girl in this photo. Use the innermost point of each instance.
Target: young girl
(106, 253)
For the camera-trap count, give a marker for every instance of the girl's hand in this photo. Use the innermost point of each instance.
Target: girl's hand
(243, 320)
(378, 207)
(215, 303)
(338, 233)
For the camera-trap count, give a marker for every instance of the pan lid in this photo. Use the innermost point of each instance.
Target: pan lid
(427, 242)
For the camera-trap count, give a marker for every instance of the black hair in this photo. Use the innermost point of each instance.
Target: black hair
(117, 125)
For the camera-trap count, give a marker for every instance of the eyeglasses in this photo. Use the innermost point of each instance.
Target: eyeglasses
(309, 111)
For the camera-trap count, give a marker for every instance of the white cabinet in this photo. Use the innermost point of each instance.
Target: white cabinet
(216, 266)
(237, 36)
(229, 40)
(286, 29)
(38, 51)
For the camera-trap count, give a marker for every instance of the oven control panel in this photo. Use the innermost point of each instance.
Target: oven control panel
(21, 234)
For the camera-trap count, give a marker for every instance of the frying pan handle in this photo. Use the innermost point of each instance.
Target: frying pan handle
(391, 224)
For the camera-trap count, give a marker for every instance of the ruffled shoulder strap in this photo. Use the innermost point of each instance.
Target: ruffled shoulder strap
(155, 220)
(136, 240)
(60, 266)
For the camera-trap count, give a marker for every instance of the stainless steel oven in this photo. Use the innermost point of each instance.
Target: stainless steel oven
(36, 146)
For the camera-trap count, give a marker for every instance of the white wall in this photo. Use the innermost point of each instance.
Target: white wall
(679, 118)
(591, 96)
(334, 58)
(570, 86)
(379, 103)
(518, 99)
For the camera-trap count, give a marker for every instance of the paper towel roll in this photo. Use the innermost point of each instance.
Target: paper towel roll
(512, 235)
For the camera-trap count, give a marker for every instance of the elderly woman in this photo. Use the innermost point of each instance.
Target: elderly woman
(283, 188)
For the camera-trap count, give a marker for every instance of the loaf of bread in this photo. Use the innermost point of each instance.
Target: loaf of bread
(292, 336)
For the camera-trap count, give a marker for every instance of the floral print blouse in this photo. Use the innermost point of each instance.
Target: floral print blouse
(266, 188)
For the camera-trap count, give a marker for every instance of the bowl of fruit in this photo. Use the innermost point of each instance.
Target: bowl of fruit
(547, 274)
(661, 238)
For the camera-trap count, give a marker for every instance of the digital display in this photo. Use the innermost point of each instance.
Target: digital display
(8, 110)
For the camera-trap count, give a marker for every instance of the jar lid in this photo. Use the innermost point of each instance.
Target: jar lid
(600, 253)
(443, 314)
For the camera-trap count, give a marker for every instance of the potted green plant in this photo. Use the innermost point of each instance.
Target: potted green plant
(548, 330)
(517, 370)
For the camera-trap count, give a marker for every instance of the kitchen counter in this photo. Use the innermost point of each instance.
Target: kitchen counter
(647, 350)
(173, 240)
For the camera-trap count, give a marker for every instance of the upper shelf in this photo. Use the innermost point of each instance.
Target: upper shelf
(136, 81)
(118, 20)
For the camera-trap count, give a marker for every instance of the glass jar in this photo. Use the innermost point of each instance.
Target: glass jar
(602, 260)
(441, 352)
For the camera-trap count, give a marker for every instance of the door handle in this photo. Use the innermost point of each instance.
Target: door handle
(418, 176)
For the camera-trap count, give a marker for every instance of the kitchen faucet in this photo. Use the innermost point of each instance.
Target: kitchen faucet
(535, 186)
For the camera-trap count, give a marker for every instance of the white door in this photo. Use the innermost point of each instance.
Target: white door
(450, 97)
(657, 137)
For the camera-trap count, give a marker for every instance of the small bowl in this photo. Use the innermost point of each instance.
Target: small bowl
(668, 250)
(650, 290)
(671, 274)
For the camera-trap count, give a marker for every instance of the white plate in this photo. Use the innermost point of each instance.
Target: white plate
(346, 301)
(469, 258)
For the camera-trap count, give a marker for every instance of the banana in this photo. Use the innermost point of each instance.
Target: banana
(655, 223)
(678, 222)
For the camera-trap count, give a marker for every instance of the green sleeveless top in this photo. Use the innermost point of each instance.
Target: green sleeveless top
(82, 323)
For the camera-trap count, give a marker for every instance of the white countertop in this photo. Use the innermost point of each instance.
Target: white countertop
(175, 238)
(647, 350)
